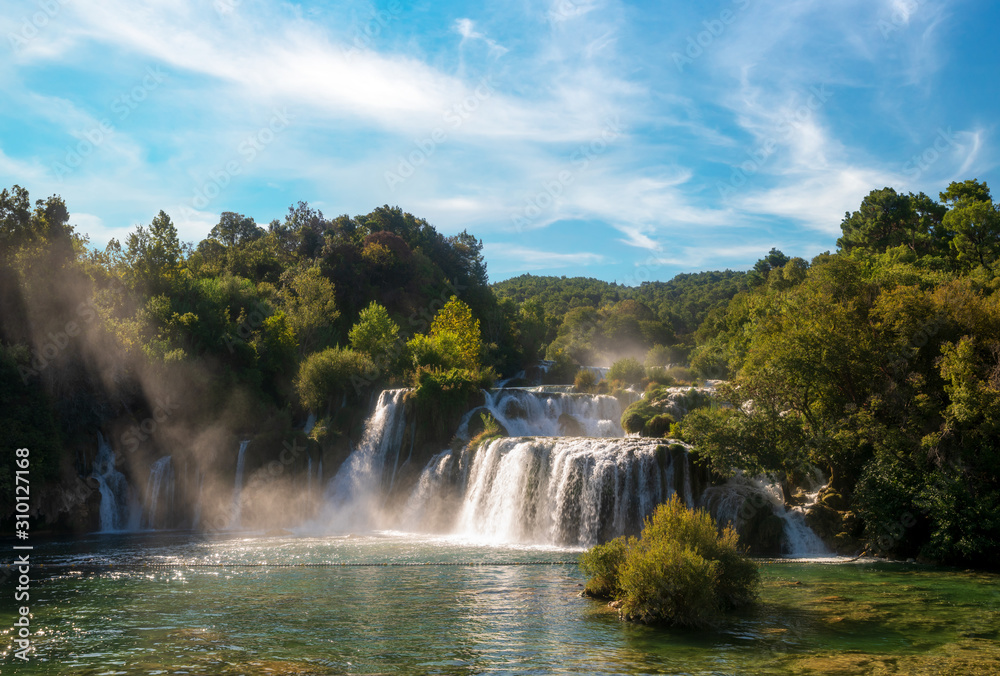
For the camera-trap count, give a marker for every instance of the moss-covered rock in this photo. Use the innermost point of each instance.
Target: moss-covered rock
(658, 426)
(570, 426)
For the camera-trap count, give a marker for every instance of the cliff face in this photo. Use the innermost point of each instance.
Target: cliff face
(72, 505)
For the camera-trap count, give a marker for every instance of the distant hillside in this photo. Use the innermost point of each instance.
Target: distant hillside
(683, 302)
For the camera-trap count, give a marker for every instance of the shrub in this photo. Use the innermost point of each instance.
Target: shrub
(440, 396)
(325, 375)
(491, 430)
(635, 417)
(681, 375)
(659, 356)
(601, 564)
(658, 426)
(441, 351)
(658, 377)
(680, 572)
(628, 371)
(585, 381)
(709, 362)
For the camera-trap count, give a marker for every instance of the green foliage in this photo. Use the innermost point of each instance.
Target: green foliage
(680, 572)
(658, 426)
(659, 377)
(375, 333)
(456, 319)
(974, 223)
(326, 376)
(628, 371)
(889, 219)
(441, 396)
(659, 355)
(601, 564)
(643, 417)
(491, 430)
(442, 351)
(235, 229)
(710, 362)
(584, 381)
(309, 301)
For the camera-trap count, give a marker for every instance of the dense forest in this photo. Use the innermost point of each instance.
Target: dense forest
(878, 363)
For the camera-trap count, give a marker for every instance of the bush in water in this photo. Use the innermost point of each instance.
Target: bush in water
(680, 572)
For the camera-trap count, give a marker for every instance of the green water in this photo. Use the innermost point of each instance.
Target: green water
(183, 616)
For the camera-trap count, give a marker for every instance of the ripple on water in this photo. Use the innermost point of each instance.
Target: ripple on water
(814, 618)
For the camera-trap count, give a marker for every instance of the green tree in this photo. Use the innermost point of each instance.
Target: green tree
(235, 229)
(153, 254)
(974, 222)
(324, 377)
(374, 333)
(309, 300)
(456, 318)
(628, 371)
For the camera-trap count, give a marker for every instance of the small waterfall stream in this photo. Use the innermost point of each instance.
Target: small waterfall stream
(159, 493)
(356, 492)
(545, 412)
(118, 502)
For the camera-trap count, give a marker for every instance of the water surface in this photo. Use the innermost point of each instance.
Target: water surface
(176, 603)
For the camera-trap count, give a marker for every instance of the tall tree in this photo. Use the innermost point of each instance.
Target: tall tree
(456, 318)
(974, 222)
(233, 229)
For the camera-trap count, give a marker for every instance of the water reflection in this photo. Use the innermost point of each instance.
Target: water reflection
(460, 619)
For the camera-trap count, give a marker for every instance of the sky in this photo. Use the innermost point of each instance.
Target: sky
(627, 141)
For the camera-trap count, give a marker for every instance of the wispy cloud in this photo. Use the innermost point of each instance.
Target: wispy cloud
(540, 259)
(513, 122)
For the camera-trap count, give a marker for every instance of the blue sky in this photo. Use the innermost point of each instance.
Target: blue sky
(624, 141)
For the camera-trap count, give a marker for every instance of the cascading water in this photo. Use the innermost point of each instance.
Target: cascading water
(566, 476)
(238, 487)
(569, 491)
(541, 412)
(159, 493)
(117, 501)
(741, 502)
(355, 494)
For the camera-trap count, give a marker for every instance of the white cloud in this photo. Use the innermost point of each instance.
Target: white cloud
(467, 29)
(526, 258)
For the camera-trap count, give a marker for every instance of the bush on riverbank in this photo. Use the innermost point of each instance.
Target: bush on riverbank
(680, 572)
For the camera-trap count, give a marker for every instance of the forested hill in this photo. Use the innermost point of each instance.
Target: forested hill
(683, 302)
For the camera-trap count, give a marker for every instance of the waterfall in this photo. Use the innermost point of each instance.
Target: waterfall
(160, 484)
(569, 491)
(355, 493)
(741, 502)
(310, 423)
(542, 413)
(567, 476)
(238, 488)
(309, 475)
(117, 499)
